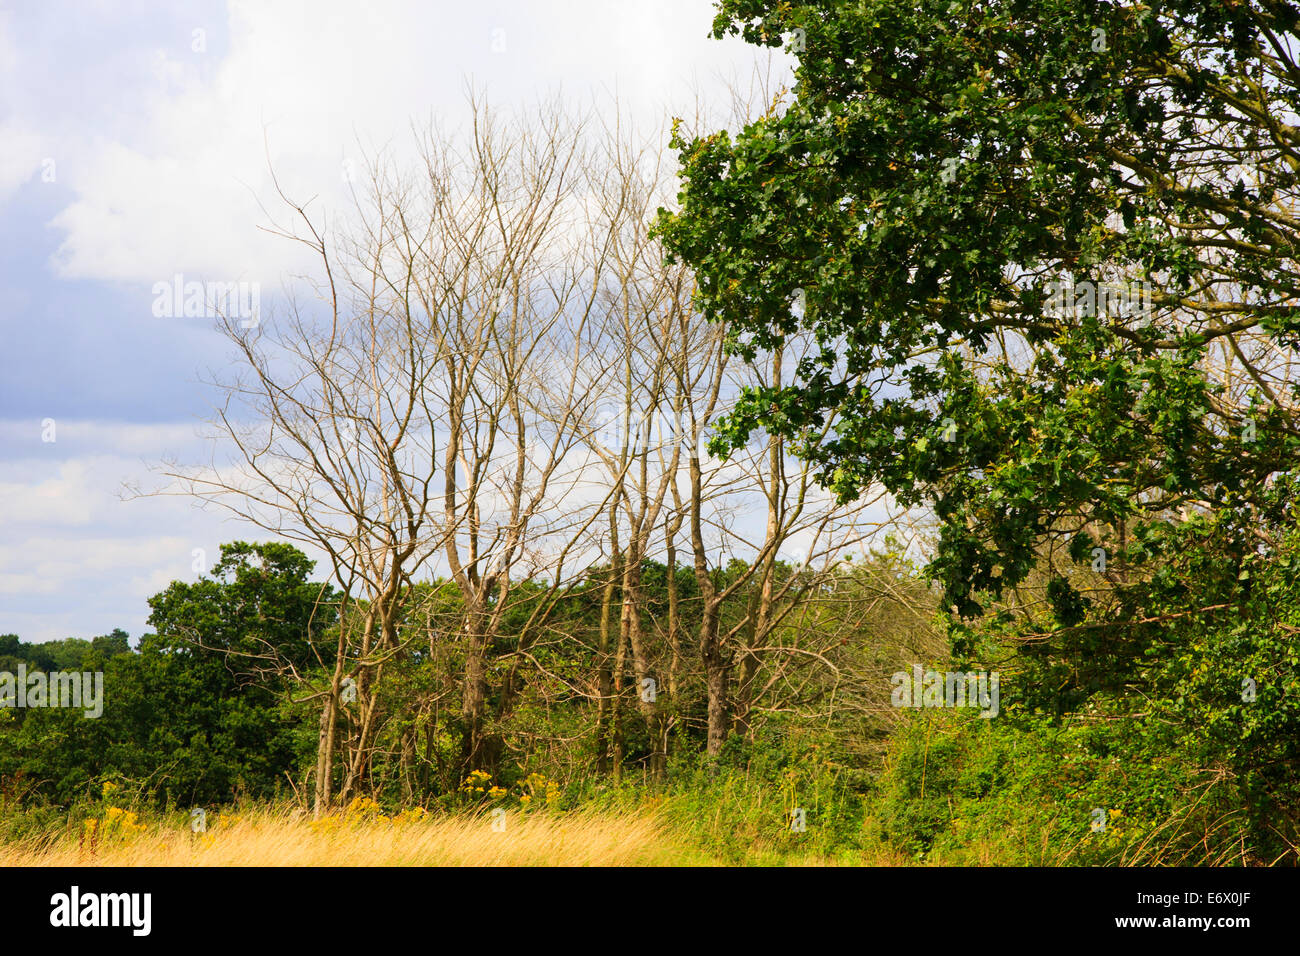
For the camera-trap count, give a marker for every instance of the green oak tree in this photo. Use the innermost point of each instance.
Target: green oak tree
(1048, 251)
(938, 174)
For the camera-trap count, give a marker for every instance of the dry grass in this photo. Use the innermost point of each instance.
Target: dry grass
(284, 839)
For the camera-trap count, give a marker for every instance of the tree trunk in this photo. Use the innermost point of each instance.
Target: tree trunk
(604, 675)
(325, 756)
(716, 673)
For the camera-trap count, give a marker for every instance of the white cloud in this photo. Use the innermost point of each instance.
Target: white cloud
(21, 154)
(308, 80)
(162, 156)
(76, 557)
(20, 159)
(65, 498)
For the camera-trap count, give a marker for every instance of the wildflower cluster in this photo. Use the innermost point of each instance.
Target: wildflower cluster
(115, 823)
(362, 808)
(535, 790)
(538, 788)
(365, 809)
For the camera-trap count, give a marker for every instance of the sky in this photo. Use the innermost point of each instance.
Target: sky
(136, 143)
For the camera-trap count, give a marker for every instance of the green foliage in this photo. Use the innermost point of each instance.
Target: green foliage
(1186, 772)
(938, 204)
(739, 807)
(190, 721)
(937, 167)
(1031, 792)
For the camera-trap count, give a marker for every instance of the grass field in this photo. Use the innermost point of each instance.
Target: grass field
(288, 838)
